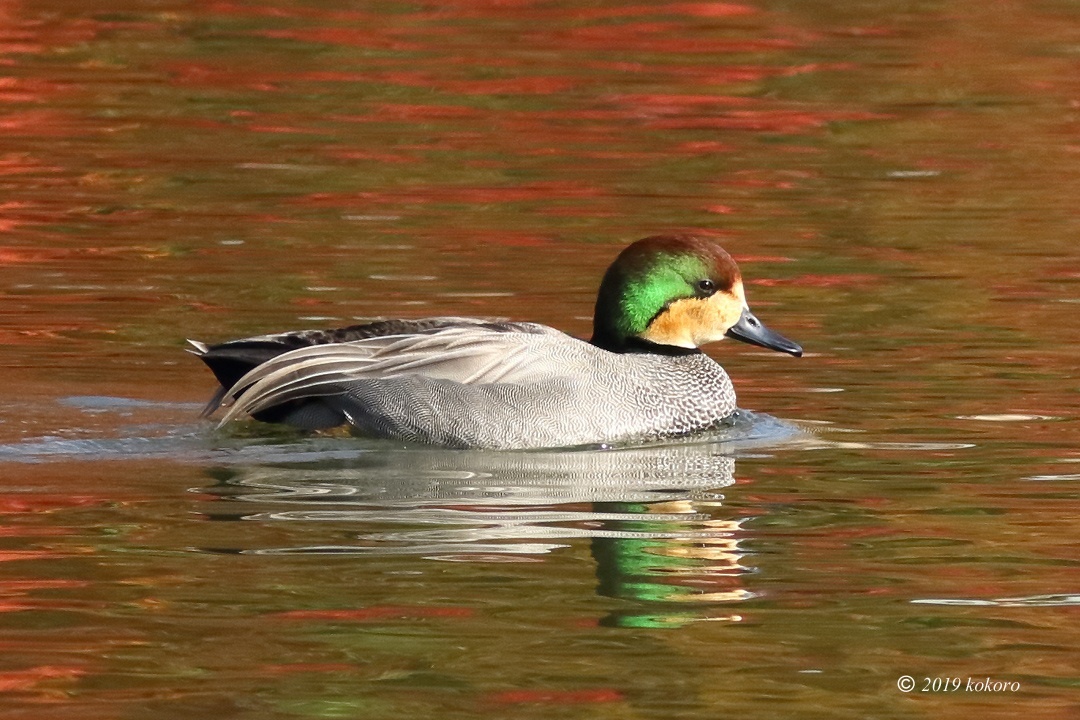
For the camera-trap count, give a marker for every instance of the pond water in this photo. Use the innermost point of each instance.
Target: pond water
(898, 181)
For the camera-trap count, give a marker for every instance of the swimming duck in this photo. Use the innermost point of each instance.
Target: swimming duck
(473, 383)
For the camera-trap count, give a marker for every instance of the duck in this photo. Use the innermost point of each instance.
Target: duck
(474, 383)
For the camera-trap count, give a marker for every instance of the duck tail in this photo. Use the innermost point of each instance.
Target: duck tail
(197, 348)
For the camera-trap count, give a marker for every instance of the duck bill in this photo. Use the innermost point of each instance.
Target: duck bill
(751, 330)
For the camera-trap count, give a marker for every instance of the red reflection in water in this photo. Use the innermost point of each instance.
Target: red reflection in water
(388, 112)
(39, 123)
(24, 90)
(704, 10)
(38, 503)
(670, 104)
(21, 164)
(259, 10)
(354, 36)
(30, 679)
(463, 195)
(20, 586)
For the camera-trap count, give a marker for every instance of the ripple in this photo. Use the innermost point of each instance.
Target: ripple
(435, 551)
(1066, 600)
(195, 442)
(1054, 478)
(104, 402)
(404, 278)
(907, 174)
(916, 446)
(1007, 417)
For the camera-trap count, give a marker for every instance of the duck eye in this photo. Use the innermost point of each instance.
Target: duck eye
(706, 286)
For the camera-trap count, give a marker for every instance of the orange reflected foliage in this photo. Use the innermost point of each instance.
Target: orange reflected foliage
(13, 681)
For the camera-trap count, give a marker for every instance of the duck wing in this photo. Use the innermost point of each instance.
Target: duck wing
(229, 361)
(468, 353)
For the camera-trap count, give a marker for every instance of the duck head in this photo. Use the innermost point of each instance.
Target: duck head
(674, 293)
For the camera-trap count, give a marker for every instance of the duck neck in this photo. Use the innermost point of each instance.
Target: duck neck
(618, 344)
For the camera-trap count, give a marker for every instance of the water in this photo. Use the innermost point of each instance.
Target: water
(897, 180)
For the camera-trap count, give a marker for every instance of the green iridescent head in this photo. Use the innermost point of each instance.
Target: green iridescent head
(675, 292)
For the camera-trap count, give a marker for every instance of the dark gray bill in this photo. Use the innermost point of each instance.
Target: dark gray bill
(751, 330)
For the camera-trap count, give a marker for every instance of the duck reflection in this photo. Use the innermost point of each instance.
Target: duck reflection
(682, 554)
(652, 515)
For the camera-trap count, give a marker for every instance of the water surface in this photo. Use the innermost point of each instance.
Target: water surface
(897, 180)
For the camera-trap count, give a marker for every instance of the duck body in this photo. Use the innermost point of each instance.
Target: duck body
(472, 383)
